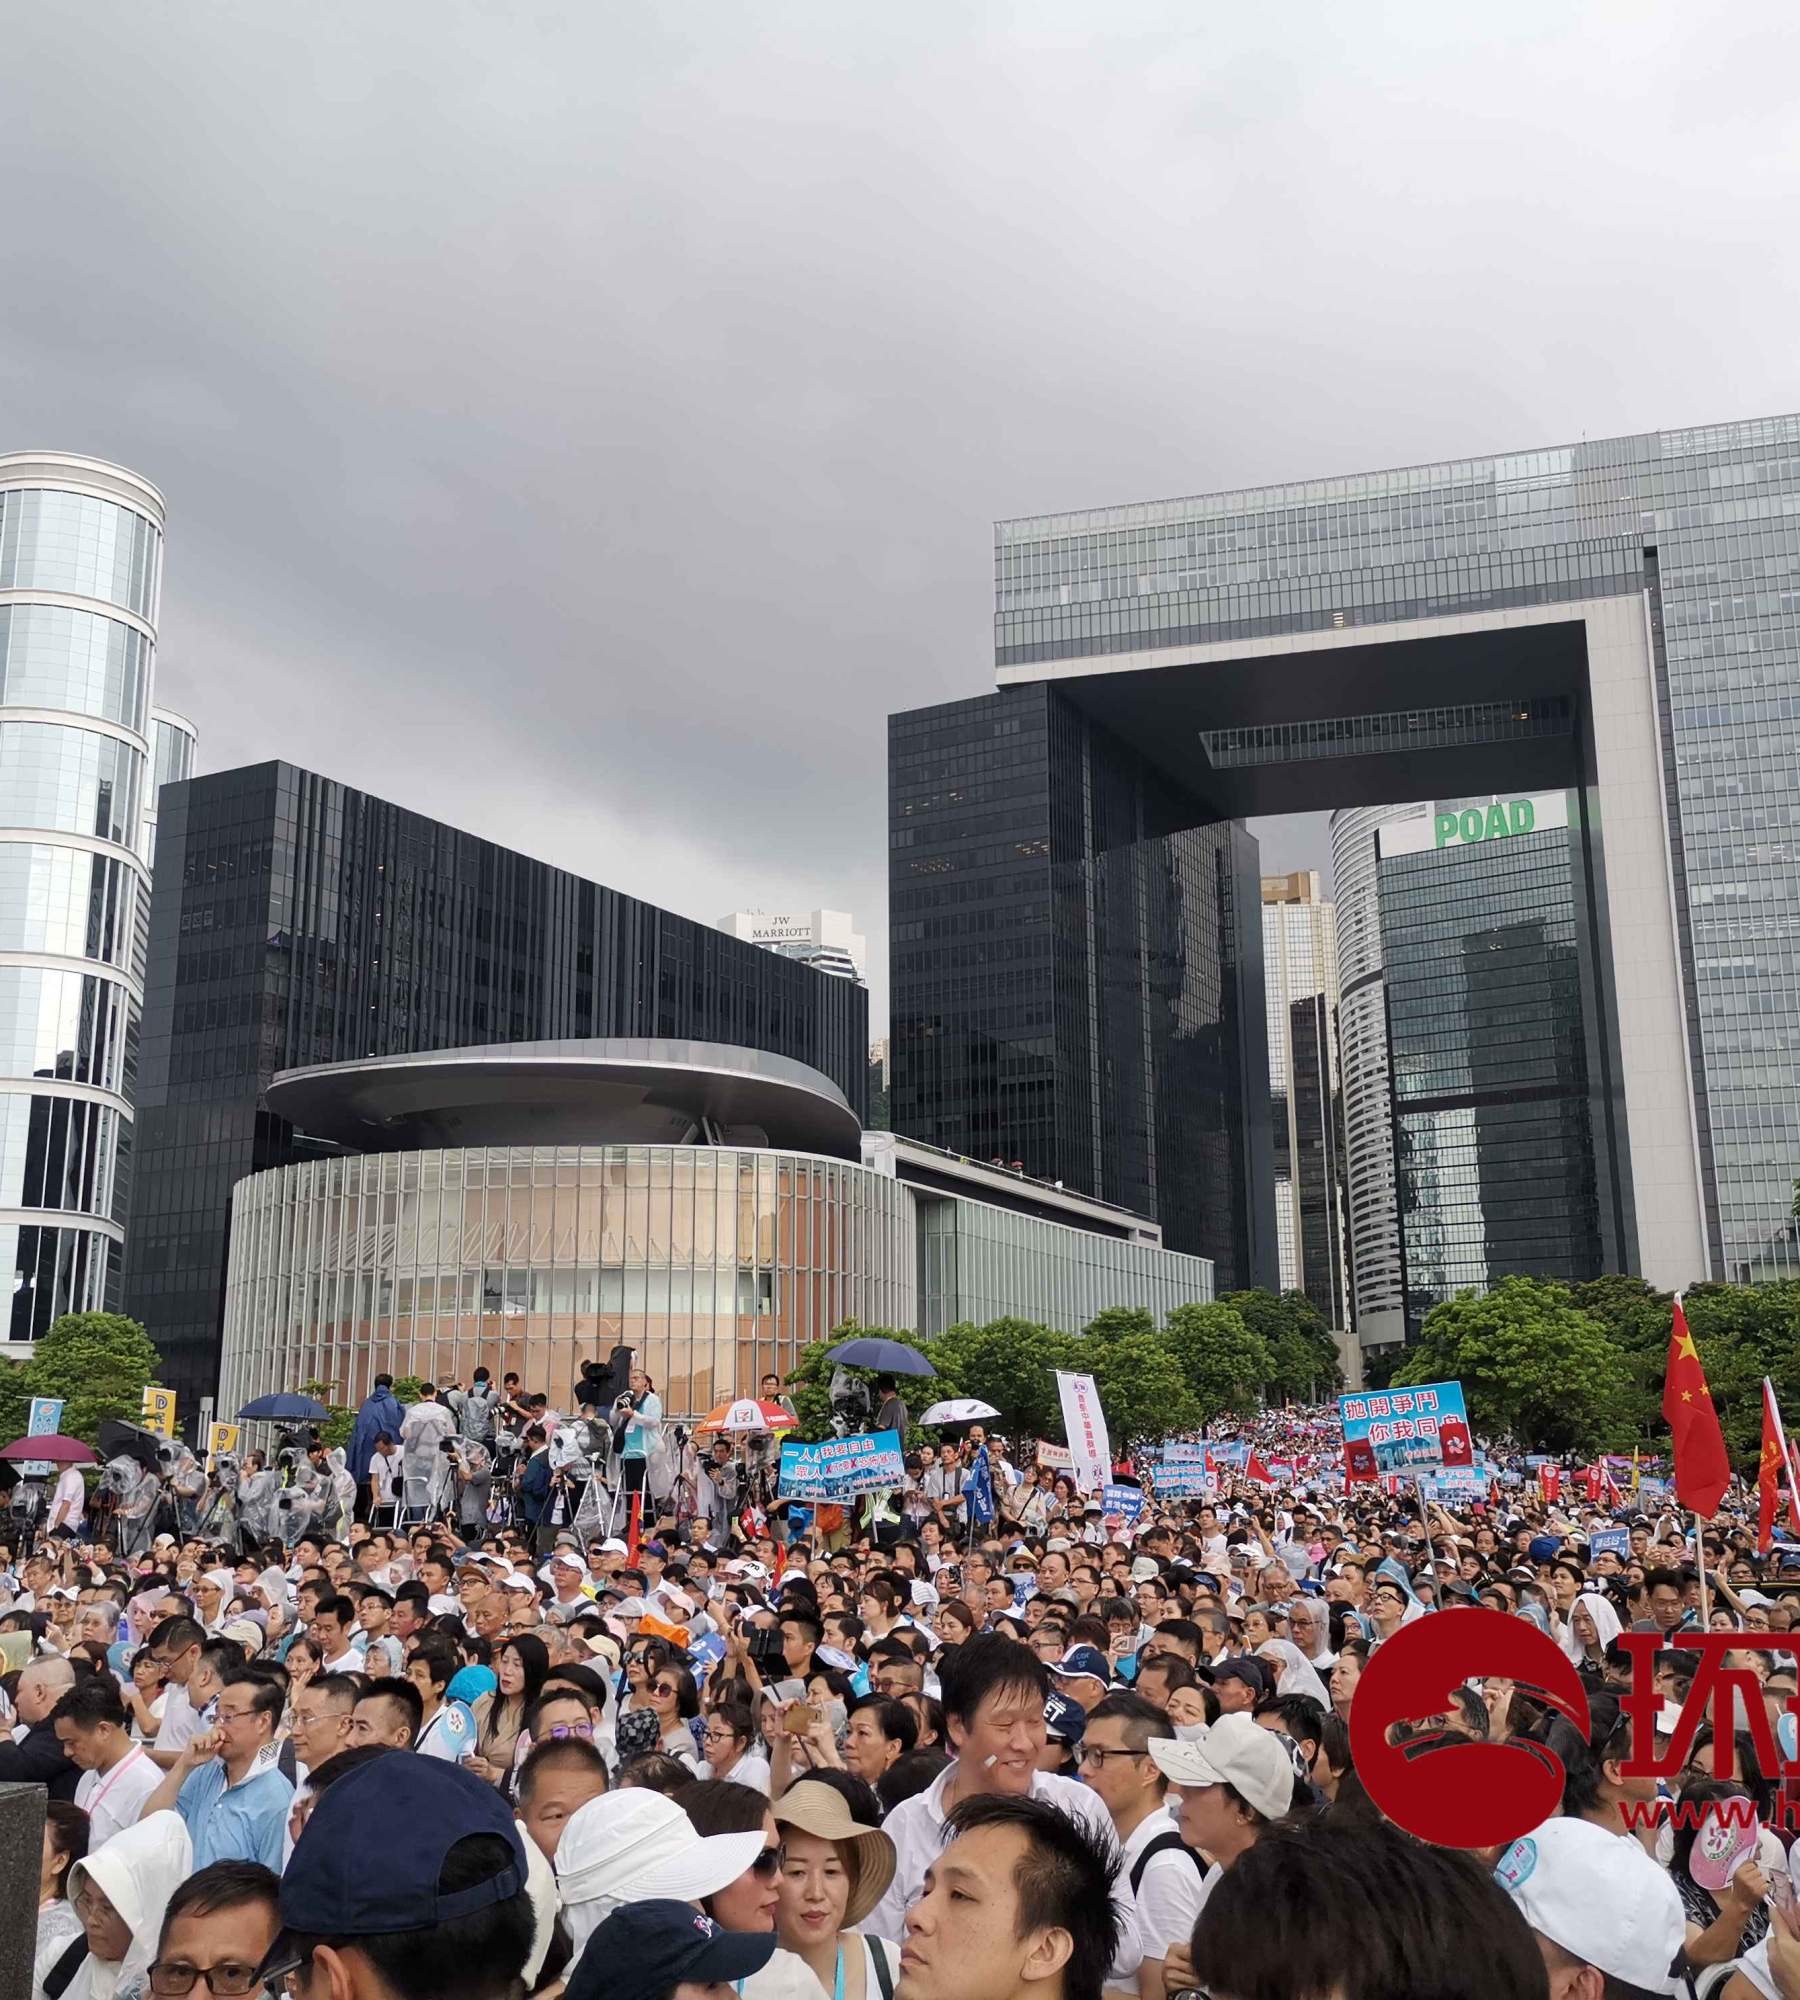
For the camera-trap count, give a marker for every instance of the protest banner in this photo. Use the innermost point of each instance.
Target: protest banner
(221, 1437)
(1405, 1431)
(1123, 1503)
(159, 1411)
(1085, 1424)
(46, 1414)
(1058, 1457)
(1454, 1483)
(1610, 1542)
(841, 1468)
(1182, 1472)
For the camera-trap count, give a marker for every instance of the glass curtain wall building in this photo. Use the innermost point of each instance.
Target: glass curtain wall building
(1076, 971)
(1300, 985)
(298, 921)
(1502, 1137)
(1699, 528)
(80, 580)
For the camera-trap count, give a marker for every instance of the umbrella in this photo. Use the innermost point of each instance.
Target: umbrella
(959, 1410)
(53, 1448)
(746, 1414)
(284, 1405)
(891, 1357)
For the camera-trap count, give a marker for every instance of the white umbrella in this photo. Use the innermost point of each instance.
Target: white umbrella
(959, 1410)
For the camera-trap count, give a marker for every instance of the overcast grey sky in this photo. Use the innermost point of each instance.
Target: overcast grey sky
(585, 422)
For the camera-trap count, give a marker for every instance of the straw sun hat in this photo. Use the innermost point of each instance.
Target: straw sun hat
(823, 1811)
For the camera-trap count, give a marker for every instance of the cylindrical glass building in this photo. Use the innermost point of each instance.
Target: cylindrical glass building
(80, 579)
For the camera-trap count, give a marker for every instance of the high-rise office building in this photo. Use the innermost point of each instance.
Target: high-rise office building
(298, 922)
(80, 580)
(1300, 991)
(1617, 619)
(1076, 964)
(827, 940)
(1377, 1277)
(174, 745)
(1503, 1113)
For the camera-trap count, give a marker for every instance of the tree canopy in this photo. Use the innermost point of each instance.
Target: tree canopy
(99, 1363)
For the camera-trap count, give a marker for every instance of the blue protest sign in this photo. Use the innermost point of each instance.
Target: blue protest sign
(1610, 1542)
(841, 1468)
(1125, 1501)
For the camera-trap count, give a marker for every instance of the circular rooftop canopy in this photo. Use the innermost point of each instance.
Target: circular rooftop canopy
(593, 1093)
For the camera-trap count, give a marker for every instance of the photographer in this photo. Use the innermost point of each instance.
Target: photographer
(637, 1423)
(475, 1407)
(473, 1466)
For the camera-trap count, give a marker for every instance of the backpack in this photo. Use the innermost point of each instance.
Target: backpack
(1164, 1843)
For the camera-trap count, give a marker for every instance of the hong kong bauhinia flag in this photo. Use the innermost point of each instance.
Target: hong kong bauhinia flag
(1702, 1468)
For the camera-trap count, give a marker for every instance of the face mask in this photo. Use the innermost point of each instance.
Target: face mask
(1190, 1732)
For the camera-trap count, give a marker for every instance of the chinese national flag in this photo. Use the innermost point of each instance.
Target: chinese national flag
(1702, 1469)
(1770, 1472)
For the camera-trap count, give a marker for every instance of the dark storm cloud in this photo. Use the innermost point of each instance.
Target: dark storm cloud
(586, 423)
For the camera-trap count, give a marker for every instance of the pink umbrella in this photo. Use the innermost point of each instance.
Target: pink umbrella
(53, 1449)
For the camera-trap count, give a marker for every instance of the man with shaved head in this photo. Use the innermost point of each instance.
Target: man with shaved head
(39, 1757)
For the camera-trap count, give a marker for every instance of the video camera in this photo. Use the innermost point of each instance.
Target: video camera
(851, 1407)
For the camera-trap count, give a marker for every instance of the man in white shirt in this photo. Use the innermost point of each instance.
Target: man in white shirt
(175, 1647)
(993, 1693)
(68, 1504)
(1165, 1877)
(117, 1775)
(330, 1632)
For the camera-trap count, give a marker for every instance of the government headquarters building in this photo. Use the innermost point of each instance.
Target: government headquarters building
(1553, 698)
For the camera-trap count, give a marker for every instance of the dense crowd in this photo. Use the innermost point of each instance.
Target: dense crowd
(969, 1740)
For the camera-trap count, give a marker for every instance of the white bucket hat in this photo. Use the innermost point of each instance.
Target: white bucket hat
(635, 1845)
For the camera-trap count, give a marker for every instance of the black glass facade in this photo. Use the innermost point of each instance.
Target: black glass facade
(1501, 1137)
(296, 921)
(1076, 970)
(1317, 1163)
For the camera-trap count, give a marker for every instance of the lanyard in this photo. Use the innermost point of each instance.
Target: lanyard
(112, 1778)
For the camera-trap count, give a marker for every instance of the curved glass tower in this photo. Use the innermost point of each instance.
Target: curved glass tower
(80, 578)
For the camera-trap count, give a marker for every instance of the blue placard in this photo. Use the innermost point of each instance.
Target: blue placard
(1125, 1501)
(1610, 1542)
(841, 1468)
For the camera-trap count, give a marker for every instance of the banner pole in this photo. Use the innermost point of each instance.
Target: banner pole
(1700, 1565)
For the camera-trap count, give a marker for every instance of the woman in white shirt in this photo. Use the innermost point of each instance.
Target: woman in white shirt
(730, 1745)
(833, 1872)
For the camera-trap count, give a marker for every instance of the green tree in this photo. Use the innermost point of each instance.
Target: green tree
(1012, 1364)
(1143, 1390)
(99, 1363)
(1120, 1320)
(1533, 1366)
(809, 1385)
(336, 1428)
(15, 1401)
(1303, 1354)
(1223, 1363)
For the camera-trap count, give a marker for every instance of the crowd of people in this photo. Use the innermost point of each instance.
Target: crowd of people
(970, 1740)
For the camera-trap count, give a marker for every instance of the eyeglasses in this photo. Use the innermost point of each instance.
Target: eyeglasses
(176, 1975)
(560, 1732)
(664, 1688)
(1091, 1753)
(88, 1900)
(767, 1864)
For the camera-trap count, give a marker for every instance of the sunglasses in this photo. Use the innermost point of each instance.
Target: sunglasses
(666, 1688)
(767, 1864)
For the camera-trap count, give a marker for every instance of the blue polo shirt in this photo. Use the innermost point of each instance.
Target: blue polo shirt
(243, 1822)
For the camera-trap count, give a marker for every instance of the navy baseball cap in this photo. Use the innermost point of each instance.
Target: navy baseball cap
(643, 1951)
(1083, 1663)
(368, 1861)
(1064, 1718)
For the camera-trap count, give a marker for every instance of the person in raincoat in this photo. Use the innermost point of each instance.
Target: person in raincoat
(259, 1487)
(380, 1415)
(136, 1491)
(120, 1894)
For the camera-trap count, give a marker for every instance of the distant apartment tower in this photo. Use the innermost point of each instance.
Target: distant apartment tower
(80, 582)
(1300, 989)
(827, 940)
(1377, 1276)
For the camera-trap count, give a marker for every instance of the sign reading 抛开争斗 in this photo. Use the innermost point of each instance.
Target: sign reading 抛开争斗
(1470, 825)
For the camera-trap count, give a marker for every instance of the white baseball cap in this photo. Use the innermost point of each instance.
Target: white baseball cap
(1235, 1751)
(1600, 1897)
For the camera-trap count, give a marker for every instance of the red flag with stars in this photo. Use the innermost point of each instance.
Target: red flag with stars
(1702, 1467)
(1771, 1473)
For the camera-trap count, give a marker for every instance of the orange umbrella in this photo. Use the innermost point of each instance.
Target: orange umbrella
(747, 1414)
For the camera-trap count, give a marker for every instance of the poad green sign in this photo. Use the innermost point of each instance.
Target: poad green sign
(1496, 822)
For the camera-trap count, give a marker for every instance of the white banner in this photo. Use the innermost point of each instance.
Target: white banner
(1085, 1423)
